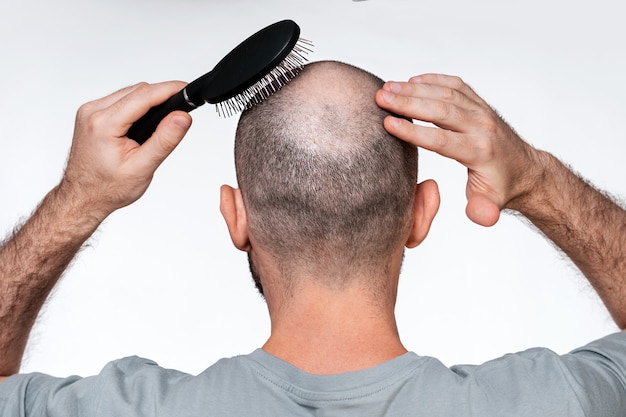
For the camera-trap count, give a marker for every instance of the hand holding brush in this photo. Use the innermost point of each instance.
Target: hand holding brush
(250, 73)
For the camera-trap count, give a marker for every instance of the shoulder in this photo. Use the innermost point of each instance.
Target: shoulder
(591, 378)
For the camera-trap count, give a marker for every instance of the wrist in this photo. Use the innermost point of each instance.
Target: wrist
(83, 213)
(536, 184)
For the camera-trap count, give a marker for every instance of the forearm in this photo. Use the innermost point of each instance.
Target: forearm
(505, 172)
(31, 262)
(105, 171)
(585, 224)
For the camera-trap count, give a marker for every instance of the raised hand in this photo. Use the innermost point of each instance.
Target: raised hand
(501, 166)
(506, 172)
(105, 169)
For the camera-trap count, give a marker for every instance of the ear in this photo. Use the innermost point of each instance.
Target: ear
(234, 213)
(425, 207)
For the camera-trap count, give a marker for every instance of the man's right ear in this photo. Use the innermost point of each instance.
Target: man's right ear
(234, 213)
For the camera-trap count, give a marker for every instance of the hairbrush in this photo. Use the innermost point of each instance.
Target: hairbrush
(254, 70)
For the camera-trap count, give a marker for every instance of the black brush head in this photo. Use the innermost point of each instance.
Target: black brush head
(256, 68)
(280, 75)
(251, 60)
(250, 73)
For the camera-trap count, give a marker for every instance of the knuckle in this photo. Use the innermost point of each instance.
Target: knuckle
(139, 89)
(142, 88)
(141, 84)
(85, 110)
(165, 142)
(440, 139)
(457, 82)
(484, 148)
(132, 87)
(447, 93)
(96, 120)
(487, 123)
(442, 110)
(404, 101)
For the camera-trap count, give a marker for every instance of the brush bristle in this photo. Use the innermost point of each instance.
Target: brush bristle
(271, 83)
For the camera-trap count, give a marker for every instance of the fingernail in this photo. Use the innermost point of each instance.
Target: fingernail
(393, 121)
(388, 96)
(182, 122)
(393, 87)
(416, 79)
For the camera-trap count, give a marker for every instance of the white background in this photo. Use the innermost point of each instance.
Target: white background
(161, 279)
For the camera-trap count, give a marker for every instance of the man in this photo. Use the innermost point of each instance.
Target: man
(327, 203)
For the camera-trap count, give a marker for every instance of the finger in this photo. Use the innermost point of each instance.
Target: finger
(432, 92)
(106, 101)
(168, 134)
(122, 113)
(448, 81)
(481, 210)
(444, 142)
(444, 114)
(93, 107)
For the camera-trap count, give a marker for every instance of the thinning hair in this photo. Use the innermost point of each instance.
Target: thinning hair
(324, 185)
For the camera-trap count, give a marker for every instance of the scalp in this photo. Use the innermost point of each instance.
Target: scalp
(321, 179)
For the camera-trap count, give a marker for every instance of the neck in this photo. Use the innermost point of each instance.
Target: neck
(326, 331)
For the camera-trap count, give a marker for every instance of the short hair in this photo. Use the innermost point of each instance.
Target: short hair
(323, 183)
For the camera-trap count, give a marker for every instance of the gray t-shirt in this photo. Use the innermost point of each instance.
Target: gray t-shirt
(590, 381)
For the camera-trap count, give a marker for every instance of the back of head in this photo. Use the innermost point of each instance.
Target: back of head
(325, 187)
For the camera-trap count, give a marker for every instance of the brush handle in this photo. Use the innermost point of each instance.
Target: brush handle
(187, 99)
(143, 128)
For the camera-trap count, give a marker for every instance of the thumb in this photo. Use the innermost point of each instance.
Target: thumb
(165, 138)
(481, 210)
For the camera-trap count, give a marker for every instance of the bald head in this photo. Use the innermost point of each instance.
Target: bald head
(324, 185)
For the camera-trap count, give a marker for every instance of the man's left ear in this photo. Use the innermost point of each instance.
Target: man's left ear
(234, 213)
(425, 207)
